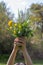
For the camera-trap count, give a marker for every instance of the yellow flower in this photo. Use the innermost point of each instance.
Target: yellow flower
(14, 32)
(10, 23)
(11, 27)
(15, 24)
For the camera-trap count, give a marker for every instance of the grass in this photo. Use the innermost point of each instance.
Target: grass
(4, 58)
(37, 62)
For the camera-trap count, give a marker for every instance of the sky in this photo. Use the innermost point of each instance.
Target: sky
(14, 5)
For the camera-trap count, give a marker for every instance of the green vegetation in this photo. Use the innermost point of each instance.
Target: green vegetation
(4, 58)
(19, 29)
(34, 15)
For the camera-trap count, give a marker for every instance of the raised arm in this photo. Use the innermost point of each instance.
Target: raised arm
(27, 58)
(11, 59)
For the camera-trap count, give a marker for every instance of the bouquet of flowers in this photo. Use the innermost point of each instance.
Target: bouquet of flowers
(19, 29)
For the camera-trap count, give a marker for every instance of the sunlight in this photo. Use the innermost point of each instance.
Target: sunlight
(14, 5)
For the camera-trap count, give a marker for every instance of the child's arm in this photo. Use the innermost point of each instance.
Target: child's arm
(11, 59)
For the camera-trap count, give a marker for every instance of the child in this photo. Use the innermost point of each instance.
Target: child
(27, 58)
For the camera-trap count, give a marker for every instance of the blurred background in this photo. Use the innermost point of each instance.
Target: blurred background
(21, 11)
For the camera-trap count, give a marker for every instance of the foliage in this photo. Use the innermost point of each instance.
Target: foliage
(34, 15)
(5, 38)
(37, 16)
(4, 58)
(4, 17)
(19, 29)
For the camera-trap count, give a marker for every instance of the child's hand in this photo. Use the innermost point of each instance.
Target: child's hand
(20, 42)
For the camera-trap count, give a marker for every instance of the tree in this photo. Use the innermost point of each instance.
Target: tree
(37, 15)
(4, 18)
(36, 19)
(5, 38)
